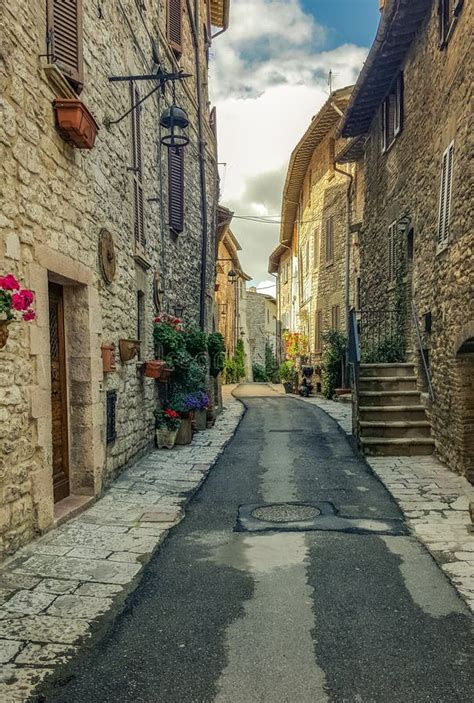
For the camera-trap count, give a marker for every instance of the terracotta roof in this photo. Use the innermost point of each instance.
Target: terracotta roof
(399, 23)
(220, 13)
(321, 124)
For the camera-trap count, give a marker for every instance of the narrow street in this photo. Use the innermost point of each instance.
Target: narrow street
(299, 615)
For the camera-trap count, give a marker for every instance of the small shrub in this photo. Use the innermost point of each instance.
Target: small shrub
(288, 373)
(259, 373)
(391, 350)
(331, 377)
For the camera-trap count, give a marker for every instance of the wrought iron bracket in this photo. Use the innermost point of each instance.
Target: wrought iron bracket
(159, 76)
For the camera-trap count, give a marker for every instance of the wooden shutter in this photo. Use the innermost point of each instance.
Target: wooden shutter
(398, 116)
(445, 196)
(176, 189)
(319, 331)
(64, 25)
(335, 317)
(392, 251)
(137, 170)
(213, 122)
(329, 239)
(174, 26)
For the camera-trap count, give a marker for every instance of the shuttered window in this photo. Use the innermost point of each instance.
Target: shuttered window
(329, 240)
(392, 113)
(176, 189)
(448, 11)
(392, 252)
(318, 337)
(137, 171)
(64, 38)
(335, 317)
(445, 196)
(174, 26)
(213, 122)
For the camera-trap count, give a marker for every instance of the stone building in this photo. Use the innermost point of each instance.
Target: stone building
(261, 324)
(230, 296)
(105, 236)
(316, 232)
(412, 107)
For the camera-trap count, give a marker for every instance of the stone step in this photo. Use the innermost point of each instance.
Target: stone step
(400, 429)
(389, 397)
(414, 446)
(392, 413)
(386, 370)
(388, 383)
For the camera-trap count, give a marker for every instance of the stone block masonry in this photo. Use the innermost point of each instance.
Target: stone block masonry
(56, 587)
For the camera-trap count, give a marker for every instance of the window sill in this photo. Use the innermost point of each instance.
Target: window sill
(62, 88)
(329, 263)
(388, 148)
(141, 259)
(441, 249)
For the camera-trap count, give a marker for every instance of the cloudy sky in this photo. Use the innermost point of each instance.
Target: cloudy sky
(269, 76)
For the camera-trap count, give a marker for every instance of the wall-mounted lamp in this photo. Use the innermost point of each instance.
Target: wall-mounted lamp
(232, 276)
(178, 310)
(175, 121)
(403, 224)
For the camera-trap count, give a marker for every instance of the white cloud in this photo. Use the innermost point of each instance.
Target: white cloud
(268, 78)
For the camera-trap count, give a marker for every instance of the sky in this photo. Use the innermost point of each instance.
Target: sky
(268, 77)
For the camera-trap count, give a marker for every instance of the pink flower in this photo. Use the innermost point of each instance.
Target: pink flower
(29, 315)
(9, 282)
(22, 300)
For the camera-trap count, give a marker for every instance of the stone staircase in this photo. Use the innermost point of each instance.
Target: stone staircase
(392, 419)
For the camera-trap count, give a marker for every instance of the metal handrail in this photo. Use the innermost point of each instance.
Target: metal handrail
(420, 347)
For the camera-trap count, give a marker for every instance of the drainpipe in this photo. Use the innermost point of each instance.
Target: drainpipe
(194, 19)
(347, 260)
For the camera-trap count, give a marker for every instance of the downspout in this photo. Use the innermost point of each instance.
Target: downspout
(347, 260)
(202, 162)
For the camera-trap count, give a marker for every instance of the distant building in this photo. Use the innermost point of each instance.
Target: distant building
(262, 324)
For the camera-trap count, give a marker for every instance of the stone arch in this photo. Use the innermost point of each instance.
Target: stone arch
(464, 400)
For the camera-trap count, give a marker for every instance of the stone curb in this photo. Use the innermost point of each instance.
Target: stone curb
(434, 501)
(54, 592)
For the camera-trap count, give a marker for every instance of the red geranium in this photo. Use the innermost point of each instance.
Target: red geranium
(9, 282)
(29, 315)
(171, 413)
(22, 300)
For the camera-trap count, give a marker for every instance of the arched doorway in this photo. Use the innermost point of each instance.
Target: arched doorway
(465, 407)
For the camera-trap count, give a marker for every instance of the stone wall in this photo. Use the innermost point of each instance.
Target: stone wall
(256, 326)
(55, 200)
(406, 180)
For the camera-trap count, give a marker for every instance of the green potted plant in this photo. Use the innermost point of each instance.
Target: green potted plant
(200, 414)
(288, 375)
(167, 423)
(184, 404)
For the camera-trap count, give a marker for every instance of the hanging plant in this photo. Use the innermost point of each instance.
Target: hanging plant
(15, 303)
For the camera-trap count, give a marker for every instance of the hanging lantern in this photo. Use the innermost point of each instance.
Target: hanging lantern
(232, 276)
(179, 310)
(176, 122)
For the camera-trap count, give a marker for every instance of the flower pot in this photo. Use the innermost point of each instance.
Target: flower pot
(288, 387)
(200, 420)
(154, 369)
(165, 375)
(75, 123)
(166, 439)
(129, 348)
(3, 332)
(185, 432)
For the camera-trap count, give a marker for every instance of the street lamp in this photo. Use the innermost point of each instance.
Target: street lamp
(175, 121)
(232, 276)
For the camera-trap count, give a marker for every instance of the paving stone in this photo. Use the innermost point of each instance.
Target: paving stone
(16, 580)
(5, 594)
(26, 603)
(76, 606)
(8, 649)
(44, 654)
(459, 568)
(98, 590)
(125, 557)
(43, 628)
(161, 516)
(57, 586)
(17, 683)
(81, 569)
(89, 553)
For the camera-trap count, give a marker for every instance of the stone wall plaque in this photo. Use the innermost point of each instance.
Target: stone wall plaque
(107, 259)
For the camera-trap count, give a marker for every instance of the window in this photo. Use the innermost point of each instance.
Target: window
(392, 114)
(445, 196)
(174, 26)
(64, 39)
(315, 248)
(111, 431)
(331, 155)
(286, 273)
(330, 240)
(268, 316)
(392, 252)
(137, 170)
(307, 257)
(176, 189)
(448, 11)
(141, 320)
(335, 317)
(318, 337)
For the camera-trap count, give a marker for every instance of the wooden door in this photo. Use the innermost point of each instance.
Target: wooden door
(58, 393)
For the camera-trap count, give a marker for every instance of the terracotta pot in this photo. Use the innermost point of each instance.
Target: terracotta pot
(185, 432)
(108, 358)
(200, 420)
(166, 439)
(3, 332)
(75, 123)
(154, 369)
(129, 348)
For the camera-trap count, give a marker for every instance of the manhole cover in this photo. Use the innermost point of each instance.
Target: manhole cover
(285, 513)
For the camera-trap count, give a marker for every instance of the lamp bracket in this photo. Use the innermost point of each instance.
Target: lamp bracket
(161, 76)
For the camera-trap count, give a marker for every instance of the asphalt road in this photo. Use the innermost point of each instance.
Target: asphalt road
(282, 617)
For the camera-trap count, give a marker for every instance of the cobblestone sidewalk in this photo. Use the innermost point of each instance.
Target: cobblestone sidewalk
(434, 500)
(52, 590)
